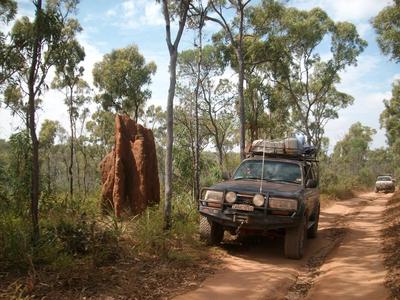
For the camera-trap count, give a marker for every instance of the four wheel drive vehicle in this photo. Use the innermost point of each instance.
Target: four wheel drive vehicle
(385, 183)
(270, 190)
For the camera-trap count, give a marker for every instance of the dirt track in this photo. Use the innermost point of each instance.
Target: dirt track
(343, 262)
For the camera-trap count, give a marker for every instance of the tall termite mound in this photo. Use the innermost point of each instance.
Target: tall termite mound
(129, 173)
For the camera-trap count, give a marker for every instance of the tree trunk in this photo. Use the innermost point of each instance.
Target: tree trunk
(173, 54)
(241, 105)
(48, 172)
(170, 140)
(85, 161)
(241, 80)
(36, 56)
(71, 152)
(196, 114)
(221, 159)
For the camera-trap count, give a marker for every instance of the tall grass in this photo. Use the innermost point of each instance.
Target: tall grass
(72, 230)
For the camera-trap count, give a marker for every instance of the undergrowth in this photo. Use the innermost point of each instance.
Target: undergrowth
(391, 245)
(77, 231)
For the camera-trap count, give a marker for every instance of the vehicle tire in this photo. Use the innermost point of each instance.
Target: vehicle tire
(210, 232)
(312, 231)
(294, 240)
(376, 190)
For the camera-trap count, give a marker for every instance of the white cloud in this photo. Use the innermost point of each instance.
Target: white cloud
(92, 56)
(345, 10)
(353, 79)
(356, 9)
(129, 8)
(133, 14)
(111, 13)
(366, 109)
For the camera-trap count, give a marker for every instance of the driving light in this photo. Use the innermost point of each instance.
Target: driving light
(230, 197)
(214, 196)
(258, 200)
(283, 203)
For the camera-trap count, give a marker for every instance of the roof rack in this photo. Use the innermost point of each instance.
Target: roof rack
(288, 148)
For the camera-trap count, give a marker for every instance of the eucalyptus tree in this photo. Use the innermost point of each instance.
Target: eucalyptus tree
(387, 26)
(390, 120)
(69, 80)
(233, 33)
(289, 54)
(219, 115)
(172, 9)
(185, 141)
(216, 101)
(350, 154)
(37, 43)
(47, 135)
(101, 132)
(123, 77)
(197, 22)
(10, 61)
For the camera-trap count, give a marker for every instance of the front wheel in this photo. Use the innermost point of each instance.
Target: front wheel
(294, 240)
(312, 231)
(210, 232)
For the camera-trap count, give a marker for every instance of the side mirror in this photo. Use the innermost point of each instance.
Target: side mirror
(225, 176)
(311, 183)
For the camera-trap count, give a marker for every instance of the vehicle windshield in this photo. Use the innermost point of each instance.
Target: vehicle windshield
(384, 178)
(273, 171)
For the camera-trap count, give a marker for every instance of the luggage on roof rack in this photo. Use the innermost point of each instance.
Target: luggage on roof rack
(289, 147)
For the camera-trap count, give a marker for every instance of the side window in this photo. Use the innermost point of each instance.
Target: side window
(309, 172)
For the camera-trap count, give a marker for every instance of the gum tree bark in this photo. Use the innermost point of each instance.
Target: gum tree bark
(182, 12)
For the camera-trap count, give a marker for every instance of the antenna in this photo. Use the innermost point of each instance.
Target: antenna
(262, 168)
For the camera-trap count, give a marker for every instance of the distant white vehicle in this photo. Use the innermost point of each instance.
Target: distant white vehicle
(385, 183)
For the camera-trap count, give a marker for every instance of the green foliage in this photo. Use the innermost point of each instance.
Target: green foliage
(14, 241)
(122, 77)
(152, 239)
(390, 118)
(387, 26)
(8, 9)
(353, 165)
(289, 53)
(19, 172)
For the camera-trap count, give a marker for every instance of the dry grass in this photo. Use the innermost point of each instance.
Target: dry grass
(391, 245)
(132, 276)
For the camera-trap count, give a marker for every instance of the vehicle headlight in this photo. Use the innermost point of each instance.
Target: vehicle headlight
(258, 200)
(282, 203)
(230, 197)
(214, 196)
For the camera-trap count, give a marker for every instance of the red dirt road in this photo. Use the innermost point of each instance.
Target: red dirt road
(343, 262)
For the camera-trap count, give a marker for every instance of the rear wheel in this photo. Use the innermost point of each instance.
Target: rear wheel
(312, 231)
(210, 232)
(294, 240)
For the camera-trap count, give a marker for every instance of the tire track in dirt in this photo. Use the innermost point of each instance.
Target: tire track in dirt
(355, 269)
(335, 233)
(262, 272)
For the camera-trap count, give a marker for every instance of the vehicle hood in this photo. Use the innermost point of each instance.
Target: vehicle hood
(253, 186)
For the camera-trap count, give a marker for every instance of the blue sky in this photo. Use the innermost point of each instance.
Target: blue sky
(115, 24)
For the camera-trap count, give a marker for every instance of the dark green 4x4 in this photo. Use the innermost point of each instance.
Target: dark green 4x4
(267, 192)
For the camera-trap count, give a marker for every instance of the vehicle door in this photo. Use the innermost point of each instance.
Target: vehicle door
(311, 186)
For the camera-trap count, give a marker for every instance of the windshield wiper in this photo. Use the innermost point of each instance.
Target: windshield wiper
(284, 181)
(251, 178)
